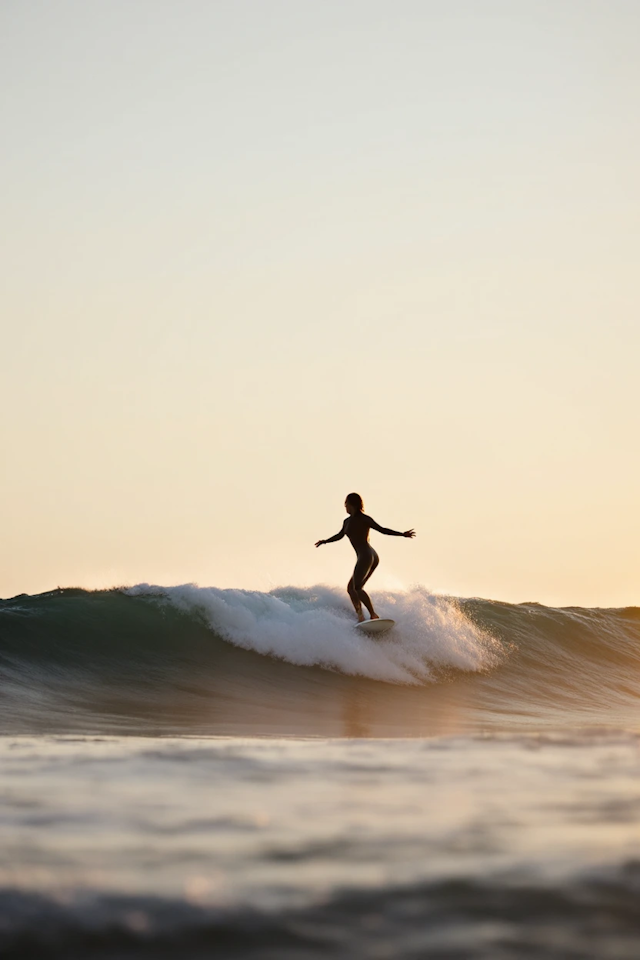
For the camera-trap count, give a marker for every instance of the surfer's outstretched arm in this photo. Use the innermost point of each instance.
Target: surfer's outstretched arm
(338, 536)
(389, 532)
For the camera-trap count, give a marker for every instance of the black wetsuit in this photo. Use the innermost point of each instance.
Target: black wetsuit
(357, 527)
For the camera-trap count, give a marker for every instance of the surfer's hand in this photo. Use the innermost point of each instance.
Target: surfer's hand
(320, 542)
(409, 533)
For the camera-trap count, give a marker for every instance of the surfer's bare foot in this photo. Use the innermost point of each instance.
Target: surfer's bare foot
(374, 616)
(361, 617)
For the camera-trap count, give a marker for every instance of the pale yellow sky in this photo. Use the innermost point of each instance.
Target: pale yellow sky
(258, 254)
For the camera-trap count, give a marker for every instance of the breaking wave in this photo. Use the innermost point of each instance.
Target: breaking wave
(208, 660)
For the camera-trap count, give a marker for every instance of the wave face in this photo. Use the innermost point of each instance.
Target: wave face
(209, 661)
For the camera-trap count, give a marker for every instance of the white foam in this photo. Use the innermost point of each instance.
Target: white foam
(313, 626)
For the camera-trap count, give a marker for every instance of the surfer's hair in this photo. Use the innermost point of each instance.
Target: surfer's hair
(355, 500)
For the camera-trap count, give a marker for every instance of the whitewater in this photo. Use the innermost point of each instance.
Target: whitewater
(314, 627)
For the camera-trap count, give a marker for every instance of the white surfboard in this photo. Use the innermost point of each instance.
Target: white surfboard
(375, 626)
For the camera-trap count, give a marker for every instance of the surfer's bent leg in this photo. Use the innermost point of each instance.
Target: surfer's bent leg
(365, 565)
(355, 599)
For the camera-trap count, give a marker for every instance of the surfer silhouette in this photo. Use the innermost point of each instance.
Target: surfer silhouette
(356, 527)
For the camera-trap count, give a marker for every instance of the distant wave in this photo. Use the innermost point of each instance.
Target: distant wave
(195, 659)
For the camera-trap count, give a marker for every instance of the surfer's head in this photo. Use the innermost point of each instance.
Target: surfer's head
(354, 503)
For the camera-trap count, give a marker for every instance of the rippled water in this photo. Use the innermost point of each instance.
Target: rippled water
(501, 846)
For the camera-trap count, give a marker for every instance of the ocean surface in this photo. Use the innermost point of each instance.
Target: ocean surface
(205, 773)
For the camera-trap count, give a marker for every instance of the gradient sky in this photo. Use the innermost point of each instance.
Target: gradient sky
(257, 254)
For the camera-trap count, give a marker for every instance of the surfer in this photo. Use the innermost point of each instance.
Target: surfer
(356, 527)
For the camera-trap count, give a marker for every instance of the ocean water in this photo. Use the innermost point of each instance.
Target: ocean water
(194, 772)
